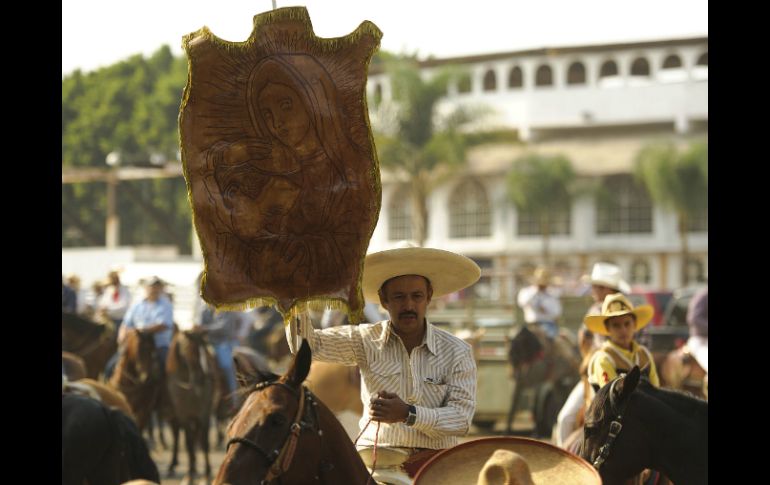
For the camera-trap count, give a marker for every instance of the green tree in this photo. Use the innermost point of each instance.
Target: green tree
(542, 185)
(677, 180)
(413, 140)
(131, 107)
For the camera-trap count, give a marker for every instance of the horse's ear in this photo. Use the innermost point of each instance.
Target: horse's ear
(247, 375)
(300, 366)
(628, 383)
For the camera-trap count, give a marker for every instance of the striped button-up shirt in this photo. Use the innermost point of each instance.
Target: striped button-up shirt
(438, 378)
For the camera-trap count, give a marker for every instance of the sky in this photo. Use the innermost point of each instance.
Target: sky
(97, 33)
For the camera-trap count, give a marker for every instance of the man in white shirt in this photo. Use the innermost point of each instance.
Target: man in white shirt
(115, 300)
(418, 382)
(540, 306)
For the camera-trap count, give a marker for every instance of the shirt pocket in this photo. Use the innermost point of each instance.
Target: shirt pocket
(435, 392)
(385, 377)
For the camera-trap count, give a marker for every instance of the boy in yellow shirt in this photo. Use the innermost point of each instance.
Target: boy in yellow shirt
(619, 320)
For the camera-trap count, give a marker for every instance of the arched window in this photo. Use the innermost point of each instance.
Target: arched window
(464, 84)
(469, 214)
(528, 224)
(490, 81)
(640, 272)
(609, 68)
(515, 78)
(640, 67)
(703, 59)
(672, 62)
(400, 215)
(623, 206)
(544, 76)
(701, 70)
(576, 74)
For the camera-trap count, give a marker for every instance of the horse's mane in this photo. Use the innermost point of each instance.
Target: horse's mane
(681, 401)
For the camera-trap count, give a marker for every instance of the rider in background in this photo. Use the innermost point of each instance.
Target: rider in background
(605, 279)
(539, 305)
(698, 321)
(619, 320)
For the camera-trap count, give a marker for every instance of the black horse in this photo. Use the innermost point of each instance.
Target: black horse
(101, 445)
(632, 425)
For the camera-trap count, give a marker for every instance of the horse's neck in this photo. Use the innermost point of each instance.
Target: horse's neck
(338, 450)
(676, 444)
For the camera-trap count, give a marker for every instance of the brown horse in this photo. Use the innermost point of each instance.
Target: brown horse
(106, 394)
(192, 382)
(283, 433)
(138, 375)
(339, 387)
(73, 366)
(94, 342)
(550, 368)
(680, 370)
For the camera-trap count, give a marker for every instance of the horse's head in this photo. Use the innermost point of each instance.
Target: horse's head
(140, 352)
(609, 442)
(277, 424)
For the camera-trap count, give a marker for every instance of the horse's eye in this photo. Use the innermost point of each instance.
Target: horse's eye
(276, 419)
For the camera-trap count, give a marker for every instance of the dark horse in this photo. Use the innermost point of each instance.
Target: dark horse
(138, 375)
(632, 425)
(94, 342)
(284, 434)
(193, 388)
(551, 368)
(101, 445)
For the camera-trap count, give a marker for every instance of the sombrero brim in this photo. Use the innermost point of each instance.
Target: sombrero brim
(549, 465)
(447, 271)
(644, 313)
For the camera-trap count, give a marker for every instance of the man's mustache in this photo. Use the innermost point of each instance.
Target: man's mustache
(407, 314)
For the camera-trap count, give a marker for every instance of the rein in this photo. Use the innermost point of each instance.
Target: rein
(280, 460)
(616, 425)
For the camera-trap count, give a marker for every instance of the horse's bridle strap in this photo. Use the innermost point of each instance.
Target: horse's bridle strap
(616, 426)
(286, 455)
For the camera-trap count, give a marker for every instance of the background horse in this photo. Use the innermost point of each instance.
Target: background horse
(73, 366)
(94, 342)
(101, 445)
(103, 393)
(283, 432)
(680, 370)
(551, 369)
(138, 375)
(192, 382)
(339, 387)
(660, 430)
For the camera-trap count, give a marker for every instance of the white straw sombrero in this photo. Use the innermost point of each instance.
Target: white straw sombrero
(447, 271)
(548, 464)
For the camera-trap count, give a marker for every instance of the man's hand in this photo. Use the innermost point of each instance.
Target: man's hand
(158, 327)
(387, 407)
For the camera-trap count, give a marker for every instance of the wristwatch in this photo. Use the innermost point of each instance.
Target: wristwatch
(412, 416)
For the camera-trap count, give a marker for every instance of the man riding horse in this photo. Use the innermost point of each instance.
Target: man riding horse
(419, 381)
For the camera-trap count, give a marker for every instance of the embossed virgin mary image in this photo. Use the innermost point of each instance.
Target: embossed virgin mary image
(281, 167)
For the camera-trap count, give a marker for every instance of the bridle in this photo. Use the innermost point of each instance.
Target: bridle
(280, 458)
(615, 426)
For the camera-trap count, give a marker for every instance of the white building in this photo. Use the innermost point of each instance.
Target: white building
(596, 104)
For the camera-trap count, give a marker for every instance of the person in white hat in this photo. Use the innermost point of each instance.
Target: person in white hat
(539, 305)
(418, 381)
(620, 321)
(605, 279)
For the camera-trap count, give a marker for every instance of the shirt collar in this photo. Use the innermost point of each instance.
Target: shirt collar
(634, 347)
(429, 339)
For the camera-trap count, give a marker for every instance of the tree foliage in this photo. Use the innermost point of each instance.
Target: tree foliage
(678, 181)
(413, 139)
(131, 107)
(542, 185)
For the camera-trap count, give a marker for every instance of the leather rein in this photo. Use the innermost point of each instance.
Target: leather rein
(280, 458)
(616, 425)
